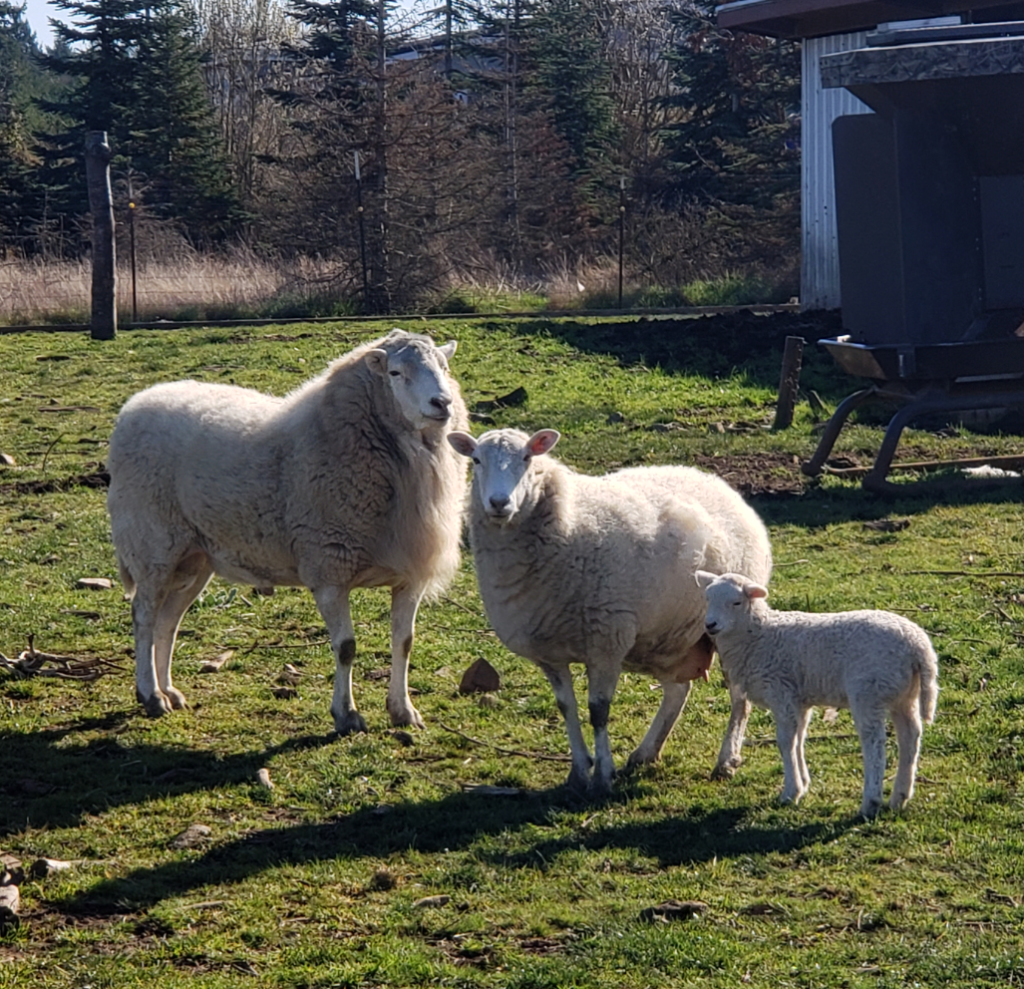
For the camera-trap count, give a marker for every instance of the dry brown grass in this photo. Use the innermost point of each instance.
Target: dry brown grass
(39, 291)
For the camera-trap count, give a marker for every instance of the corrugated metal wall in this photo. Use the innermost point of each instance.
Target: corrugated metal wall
(819, 276)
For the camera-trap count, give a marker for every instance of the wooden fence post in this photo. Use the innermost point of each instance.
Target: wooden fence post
(103, 318)
(789, 382)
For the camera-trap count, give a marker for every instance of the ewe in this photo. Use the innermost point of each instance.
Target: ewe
(577, 569)
(791, 661)
(346, 482)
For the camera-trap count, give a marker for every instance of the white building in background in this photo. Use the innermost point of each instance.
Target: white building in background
(825, 27)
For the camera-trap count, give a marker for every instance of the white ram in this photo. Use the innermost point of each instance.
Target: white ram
(791, 661)
(579, 569)
(347, 482)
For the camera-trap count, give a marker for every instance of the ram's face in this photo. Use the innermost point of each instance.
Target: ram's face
(417, 376)
(501, 462)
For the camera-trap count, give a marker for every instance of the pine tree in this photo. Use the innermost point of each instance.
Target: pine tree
(137, 73)
(740, 95)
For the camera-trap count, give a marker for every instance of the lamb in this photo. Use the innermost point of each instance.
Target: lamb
(344, 483)
(790, 661)
(578, 569)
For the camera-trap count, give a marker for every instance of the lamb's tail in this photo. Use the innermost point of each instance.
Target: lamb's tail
(928, 674)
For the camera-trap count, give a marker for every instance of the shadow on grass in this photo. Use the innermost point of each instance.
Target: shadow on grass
(712, 346)
(451, 823)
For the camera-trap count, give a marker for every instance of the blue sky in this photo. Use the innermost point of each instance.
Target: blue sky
(37, 12)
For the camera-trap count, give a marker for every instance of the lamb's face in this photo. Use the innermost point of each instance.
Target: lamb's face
(730, 597)
(501, 465)
(416, 373)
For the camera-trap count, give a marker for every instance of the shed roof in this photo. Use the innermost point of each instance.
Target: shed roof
(813, 18)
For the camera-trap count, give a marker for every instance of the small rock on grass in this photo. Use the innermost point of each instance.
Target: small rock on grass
(12, 872)
(480, 678)
(263, 777)
(42, 868)
(95, 583)
(10, 904)
(6, 460)
(193, 835)
(214, 665)
(674, 910)
(431, 901)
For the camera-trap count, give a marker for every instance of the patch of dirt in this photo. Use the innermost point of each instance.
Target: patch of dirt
(100, 479)
(754, 474)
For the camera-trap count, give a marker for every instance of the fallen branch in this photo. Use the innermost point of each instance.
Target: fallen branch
(498, 748)
(32, 663)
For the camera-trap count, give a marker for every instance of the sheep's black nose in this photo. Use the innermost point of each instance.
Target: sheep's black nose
(441, 403)
(499, 502)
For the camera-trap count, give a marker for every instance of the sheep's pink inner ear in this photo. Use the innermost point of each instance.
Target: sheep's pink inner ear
(542, 441)
(462, 443)
(755, 591)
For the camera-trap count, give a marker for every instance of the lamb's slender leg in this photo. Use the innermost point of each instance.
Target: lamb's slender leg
(907, 722)
(147, 688)
(729, 756)
(673, 700)
(601, 684)
(333, 605)
(870, 724)
(786, 728)
(404, 604)
(560, 679)
(190, 577)
(803, 773)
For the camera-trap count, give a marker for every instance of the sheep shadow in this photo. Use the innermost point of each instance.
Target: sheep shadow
(49, 781)
(453, 822)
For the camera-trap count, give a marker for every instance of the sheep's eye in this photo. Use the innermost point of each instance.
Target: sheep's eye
(476, 460)
(394, 374)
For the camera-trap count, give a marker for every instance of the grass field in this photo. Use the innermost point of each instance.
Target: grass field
(320, 881)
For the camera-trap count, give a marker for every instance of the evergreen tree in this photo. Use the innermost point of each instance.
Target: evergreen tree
(20, 80)
(738, 140)
(571, 79)
(137, 74)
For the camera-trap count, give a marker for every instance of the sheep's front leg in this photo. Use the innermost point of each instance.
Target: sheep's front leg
(730, 755)
(602, 682)
(404, 604)
(803, 773)
(333, 605)
(673, 700)
(560, 679)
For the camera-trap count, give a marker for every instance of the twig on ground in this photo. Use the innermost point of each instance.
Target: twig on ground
(498, 748)
(34, 663)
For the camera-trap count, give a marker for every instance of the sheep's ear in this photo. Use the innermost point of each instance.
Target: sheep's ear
(377, 361)
(462, 443)
(755, 591)
(704, 579)
(449, 349)
(542, 441)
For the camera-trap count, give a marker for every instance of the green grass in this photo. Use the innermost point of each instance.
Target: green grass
(313, 884)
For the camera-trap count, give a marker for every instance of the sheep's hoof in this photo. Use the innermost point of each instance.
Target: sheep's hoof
(578, 782)
(176, 698)
(898, 801)
(404, 716)
(638, 758)
(869, 809)
(155, 706)
(349, 723)
(725, 770)
(600, 789)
